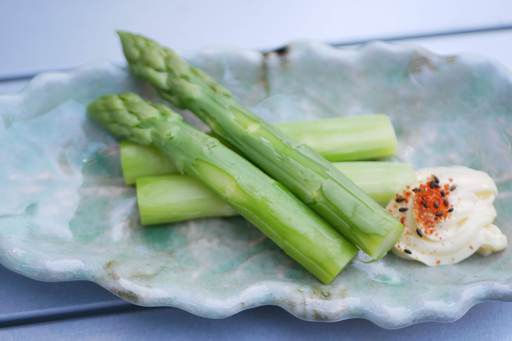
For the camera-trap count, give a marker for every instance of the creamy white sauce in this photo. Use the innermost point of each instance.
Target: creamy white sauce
(466, 230)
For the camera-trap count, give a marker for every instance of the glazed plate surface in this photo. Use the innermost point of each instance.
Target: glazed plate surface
(66, 214)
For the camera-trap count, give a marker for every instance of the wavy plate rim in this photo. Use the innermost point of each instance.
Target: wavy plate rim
(263, 293)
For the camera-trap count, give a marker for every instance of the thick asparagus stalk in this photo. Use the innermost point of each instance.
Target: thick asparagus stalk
(380, 180)
(294, 227)
(138, 160)
(172, 198)
(308, 175)
(349, 138)
(337, 139)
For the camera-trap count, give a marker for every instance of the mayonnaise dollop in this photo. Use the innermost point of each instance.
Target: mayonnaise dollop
(465, 229)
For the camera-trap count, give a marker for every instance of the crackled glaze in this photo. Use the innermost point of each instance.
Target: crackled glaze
(66, 214)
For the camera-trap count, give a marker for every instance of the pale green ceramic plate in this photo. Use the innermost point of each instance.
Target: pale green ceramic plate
(65, 213)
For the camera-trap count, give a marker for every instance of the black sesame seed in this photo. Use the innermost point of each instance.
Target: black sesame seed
(408, 251)
(445, 202)
(439, 214)
(443, 193)
(450, 209)
(436, 204)
(433, 184)
(403, 209)
(419, 233)
(453, 187)
(435, 178)
(399, 198)
(415, 189)
(424, 204)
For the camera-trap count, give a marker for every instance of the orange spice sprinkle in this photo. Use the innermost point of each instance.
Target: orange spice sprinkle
(431, 204)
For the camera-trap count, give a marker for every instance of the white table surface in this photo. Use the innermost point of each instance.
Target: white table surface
(47, 35)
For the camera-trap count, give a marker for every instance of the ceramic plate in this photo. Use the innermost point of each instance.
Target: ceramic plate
(66, 215)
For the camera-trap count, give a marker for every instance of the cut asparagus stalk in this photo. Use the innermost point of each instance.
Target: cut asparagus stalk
(337, 139)
(303, 171)
(380, 180)
(349, 138)
(172, 198)
(282, 217)
(138, 160)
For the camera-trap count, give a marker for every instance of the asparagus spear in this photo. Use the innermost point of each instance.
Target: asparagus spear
(349, 138)
(171, 198)
(337, 139)
(139, 160)
(305, 173)
(380, 180)
(294, 227)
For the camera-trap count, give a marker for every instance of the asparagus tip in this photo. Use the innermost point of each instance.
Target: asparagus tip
(115, 113)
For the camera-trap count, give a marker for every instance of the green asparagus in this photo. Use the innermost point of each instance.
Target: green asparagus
(139, 160)
(172, 198)
(303, 171)
(349, 138)
(282, 217)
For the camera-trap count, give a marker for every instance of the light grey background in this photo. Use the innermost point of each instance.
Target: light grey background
(47, 35)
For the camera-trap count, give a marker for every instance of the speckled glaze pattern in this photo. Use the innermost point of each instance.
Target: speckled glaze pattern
(66, 214)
